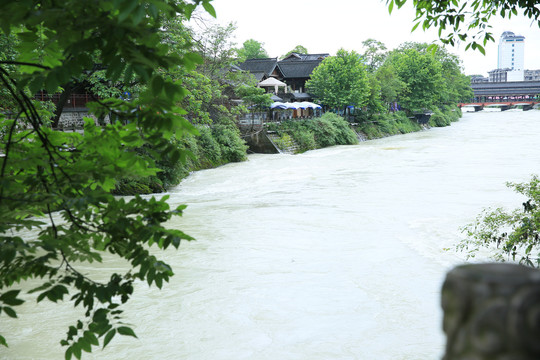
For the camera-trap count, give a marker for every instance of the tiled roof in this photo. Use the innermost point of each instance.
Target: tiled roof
(297, 69)
(305, 57)
(259, 75)
(266, 66)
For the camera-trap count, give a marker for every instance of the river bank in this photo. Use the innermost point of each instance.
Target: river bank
(331, 130)
(221, 144)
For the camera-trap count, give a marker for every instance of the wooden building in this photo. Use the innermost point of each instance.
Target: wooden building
(294, 70)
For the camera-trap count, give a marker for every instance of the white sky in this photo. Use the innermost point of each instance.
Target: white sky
(324, 26)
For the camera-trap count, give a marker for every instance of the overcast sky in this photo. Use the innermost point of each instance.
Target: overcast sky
(324, 26)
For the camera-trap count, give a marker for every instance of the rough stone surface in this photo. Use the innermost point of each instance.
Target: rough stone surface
(492, 312)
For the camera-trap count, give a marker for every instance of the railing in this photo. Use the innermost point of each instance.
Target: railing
(74, 100)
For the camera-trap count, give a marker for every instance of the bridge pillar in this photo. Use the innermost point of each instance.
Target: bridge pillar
(492, 312)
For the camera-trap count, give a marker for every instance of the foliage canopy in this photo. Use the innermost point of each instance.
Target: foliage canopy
(340, 81)
(252, 49)
(511, 235)
(467, 21)
(57, 185)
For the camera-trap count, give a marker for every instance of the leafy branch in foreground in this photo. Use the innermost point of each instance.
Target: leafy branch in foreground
(57, 185)
(467, 21)
(511, 235)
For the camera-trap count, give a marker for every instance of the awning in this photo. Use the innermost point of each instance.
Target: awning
(294, 105)
(278, 105)
(308, 105)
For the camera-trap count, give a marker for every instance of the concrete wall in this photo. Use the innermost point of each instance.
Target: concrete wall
(259, 143)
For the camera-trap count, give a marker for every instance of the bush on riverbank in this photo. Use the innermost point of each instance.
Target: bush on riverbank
(382, 125)
(214, 146)
(388, 124)
(328, 130)
(445, 116)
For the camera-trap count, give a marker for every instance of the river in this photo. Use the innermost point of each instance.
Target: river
(338, 253)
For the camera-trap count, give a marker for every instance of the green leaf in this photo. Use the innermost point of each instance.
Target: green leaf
(390, 6)
(109, 337)
(126, 8)
(91, 338)
(157, 85)
(85, 345)
(51, 83)
(124, 330)
(171, 90)
(10, 298)
(68, 353)
(3, 341)
(100, 315)
(481, 49)
(77, 351)
(158, 280)
(209, 8)
(9, 311)
(139, 15)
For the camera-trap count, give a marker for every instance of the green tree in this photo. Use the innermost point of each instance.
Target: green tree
(456, 84)
(340, 81)
(57, 185)
(390, 83)
(216, 46)
(374, 54)
(298, 49)
(422, 75)
(256, 97)
(251, 49)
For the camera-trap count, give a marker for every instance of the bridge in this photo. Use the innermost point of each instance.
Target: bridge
(508, 93)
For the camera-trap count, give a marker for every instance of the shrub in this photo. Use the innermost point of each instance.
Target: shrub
(331, 129)
(233, 148)
(305, 139)
(511, 235)
(214, 146)
(209, 148)
(285, 141)
(439, 119)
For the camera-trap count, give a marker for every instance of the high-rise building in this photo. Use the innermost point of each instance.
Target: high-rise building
(511, 51)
